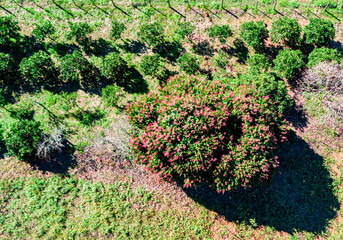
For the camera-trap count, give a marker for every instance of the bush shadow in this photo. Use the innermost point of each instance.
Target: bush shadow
(171, 50)
(298, 198)
(203, 48)
(133, 46)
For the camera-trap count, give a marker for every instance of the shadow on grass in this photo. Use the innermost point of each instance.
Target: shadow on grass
(203, 48)
(133, 46)
(299, 198)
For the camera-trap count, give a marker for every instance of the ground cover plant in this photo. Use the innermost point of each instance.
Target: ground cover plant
(211, 88)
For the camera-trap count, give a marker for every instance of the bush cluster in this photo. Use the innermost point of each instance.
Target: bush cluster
(79, 32)
(323, 54)
(221, 32)
(288, 62)
(188, 63)
(255, 34)
(286, 31)
(114, 68)
(197, 131)
(319, 32)
(151, 34)
(258, 63)
(152, 65)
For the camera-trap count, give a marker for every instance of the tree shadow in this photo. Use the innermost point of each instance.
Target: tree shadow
(271, 52)
(238, 50)
(336, 45)
(297, 117)
(298, 198)
(99, 47)
(60, 162)
(203, 48)
(134, 82)
(133, 46)
(170, 50)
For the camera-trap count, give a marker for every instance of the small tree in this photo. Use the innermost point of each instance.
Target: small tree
(43, 30)
(254, 34)
(151, 34)
(288, 62)
(184, 29)
(258, 63)
(39, 69)
(117, 28)
(79, 32)
(323, 54)
(319, 32)
(110, 95)
(152, 65)
(9, 31)
(188, 63)
(114, 68)
(286, 31)
(220, 32)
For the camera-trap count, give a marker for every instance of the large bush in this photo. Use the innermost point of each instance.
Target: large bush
(75, 69)
(151, 34)
(152, 65)
(323, 54)
(22, 137)
(79, 32)
(114, 68)
(255, 34)
(39, 69)
(197, 131)
(9, 31)
(319, 32)
(7, 69)
(221, 32)
(286, 31)
(188, 63)
(258, 63)
(288, 63)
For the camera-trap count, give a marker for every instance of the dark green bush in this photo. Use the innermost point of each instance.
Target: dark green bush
(9, 31)
(7, 69)
(114, 68)
(258, 63)
(196, 131)
(319, 32)
(288, 63)
(323, 54)
(75, 69)
(152, 65)
(110, 95)
(39, 69)
(117, 29)
(221, 32)
(22, 137)
(43, 30)
(151, 34)
(184, 30)
(255, 34)
(79, 32)
(286, 31)
(188, 63)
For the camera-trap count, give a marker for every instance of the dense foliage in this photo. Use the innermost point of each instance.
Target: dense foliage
(117, 29)
(43, 30)
(255, 34)
(188, 63)
(114, 68)
(319, 32)
(110, 95)
(9, 31)
(39, 69)
(7, 69)
(152, 64)
(151, 34)
(323, 54)
(197, 131)
(286, 31)
(288, 63)
(79, 32)
(221, 32)
(258, 63)
(184, 30)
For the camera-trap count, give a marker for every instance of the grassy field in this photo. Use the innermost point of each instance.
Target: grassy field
(94, 189)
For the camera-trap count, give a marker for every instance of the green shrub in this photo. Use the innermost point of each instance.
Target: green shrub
(7, 69)
(75, 69)
(221, 59)
(188, 63)
(9, 31)
(255, 34)
(184, 30)
(196, 131)
(117, 29)
(79, 32)
(258, 63)
(114, 68)
(221, 32)
(39, 69)
(323, 54)
(21, 139)
(110, 95)
(152, 65)
(319, 32)
(288, 62)
(43, 30)
(151, 34)
(286, 31)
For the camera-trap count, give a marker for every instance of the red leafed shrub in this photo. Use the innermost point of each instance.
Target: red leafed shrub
(197, 131)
